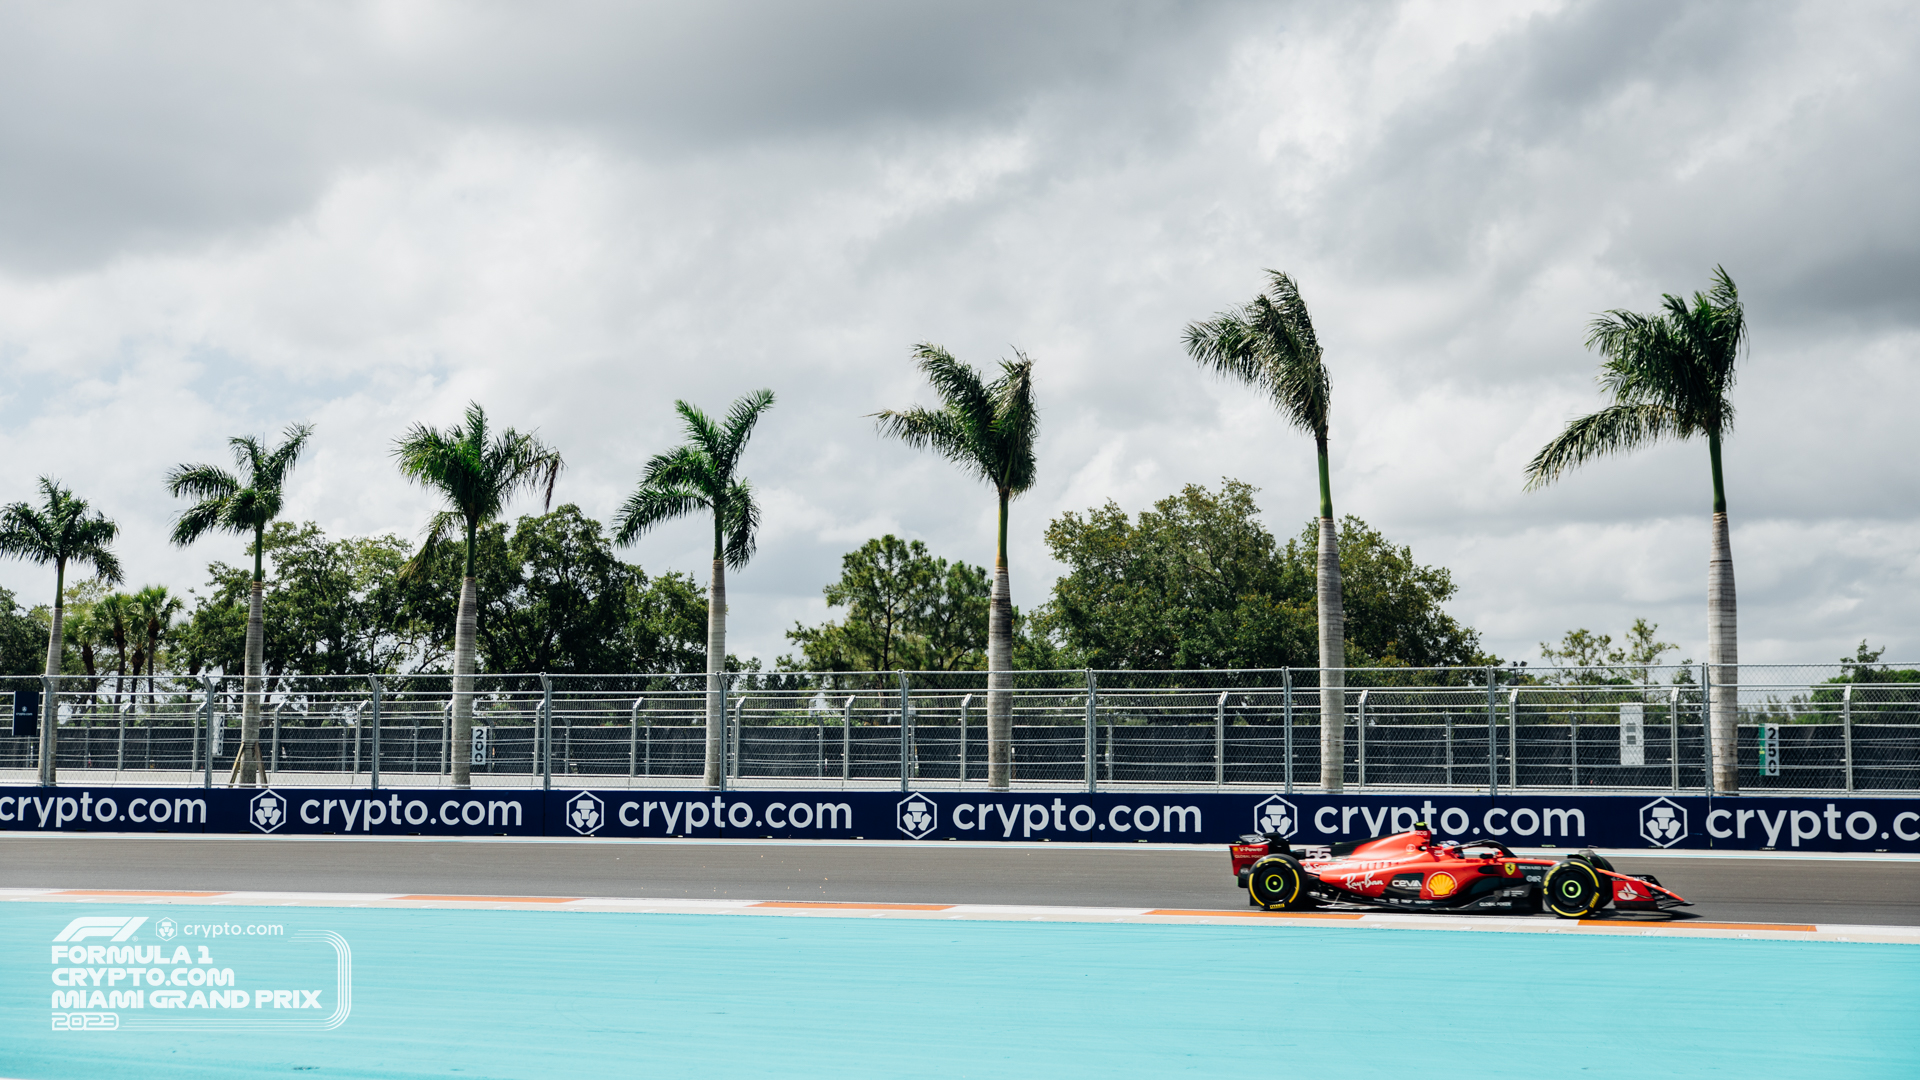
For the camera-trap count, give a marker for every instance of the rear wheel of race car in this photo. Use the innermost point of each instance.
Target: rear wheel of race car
(1572, 890)
(1278, 884)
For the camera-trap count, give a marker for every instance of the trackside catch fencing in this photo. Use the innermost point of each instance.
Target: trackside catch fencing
(1810, 729)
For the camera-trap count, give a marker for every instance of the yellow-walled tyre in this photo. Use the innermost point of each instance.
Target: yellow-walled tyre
(1572, 890)
(1277, 883)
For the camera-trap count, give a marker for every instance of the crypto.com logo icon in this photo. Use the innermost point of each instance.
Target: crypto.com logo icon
(1276, 815)
(267, 811)
(916, 815)
(586, 813)
(1663, 822)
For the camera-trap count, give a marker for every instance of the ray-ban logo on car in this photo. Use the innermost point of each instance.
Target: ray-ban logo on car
(267, 811)
(1276, 815)
(1663, 822)
(917, 815)
(586, 813)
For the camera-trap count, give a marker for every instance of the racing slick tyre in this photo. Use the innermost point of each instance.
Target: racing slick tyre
(1277, 883)
(1592, 858)
(1572, 890)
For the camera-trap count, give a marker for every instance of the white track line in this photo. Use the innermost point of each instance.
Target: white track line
(1701, 928)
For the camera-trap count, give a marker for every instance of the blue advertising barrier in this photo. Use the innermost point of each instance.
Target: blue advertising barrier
(1749, 823)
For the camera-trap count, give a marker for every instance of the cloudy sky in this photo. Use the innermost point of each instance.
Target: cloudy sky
(224, 218)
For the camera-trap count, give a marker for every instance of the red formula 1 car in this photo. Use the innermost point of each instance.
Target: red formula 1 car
(1412, 871)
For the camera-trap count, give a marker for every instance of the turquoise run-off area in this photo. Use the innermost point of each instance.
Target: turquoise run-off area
(563, 994)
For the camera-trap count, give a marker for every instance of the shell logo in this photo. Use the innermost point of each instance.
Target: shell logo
(1442, 884)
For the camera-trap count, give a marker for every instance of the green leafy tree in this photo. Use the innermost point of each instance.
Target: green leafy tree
(476, 473)
(1270, 345)
(61, 530)
(1670, 375)
(241, 504)
(333, 607)
(20, 636)
(1586, 657)
(1392, 603)
(702, 474)
(1197, 582)
(988, 429)
(906, 610)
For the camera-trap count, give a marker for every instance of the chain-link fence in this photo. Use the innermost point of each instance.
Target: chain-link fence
(1833, 728)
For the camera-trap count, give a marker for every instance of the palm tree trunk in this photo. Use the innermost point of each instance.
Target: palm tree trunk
(465, 628)
(248, 756)
(1333, 636)
(716, 674)
(1723, 655)
(1000, 666)
(1333, 658)
(49, 734)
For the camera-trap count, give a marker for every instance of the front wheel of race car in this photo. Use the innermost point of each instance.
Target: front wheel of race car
(1277, 883)
(1572, 890)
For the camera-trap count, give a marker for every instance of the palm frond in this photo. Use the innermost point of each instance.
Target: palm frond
(1016, 424)
(650, 505)
(741, 524)
(741, 419)
(201, 482)
(1613, 430)
(701, 429)
(441, 528)
(1270, 344)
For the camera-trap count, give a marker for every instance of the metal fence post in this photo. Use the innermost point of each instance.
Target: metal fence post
(1573, 748)
(1220, 741)
(546, 731)
(275, 751)
(1361, 716)
(1493, 735)
(375, 772)
(966, 703)
(1673, 737)
(1846, 729)
(208, 740)
(846, 740)
(1093, 750)
(726, 728)
(1706, 728)
(1513, 740)
(632, 740)
(1286, 720)
(120, 745)
(905, 736)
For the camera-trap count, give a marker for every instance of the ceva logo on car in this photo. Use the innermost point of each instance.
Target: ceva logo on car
(267, 811)
(1276, 815)
(1663, 822)
(586, 813)
(916, 816)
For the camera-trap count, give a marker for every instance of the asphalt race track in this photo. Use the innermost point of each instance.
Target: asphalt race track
(1804, 890)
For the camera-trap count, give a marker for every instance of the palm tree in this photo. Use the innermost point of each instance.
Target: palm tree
(476, 474)
(114, 611)
(61, 530)
(154, 608)
(1669, 374)
(229, 504)
(700, 475)
(1270, 345)
(988, 429)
